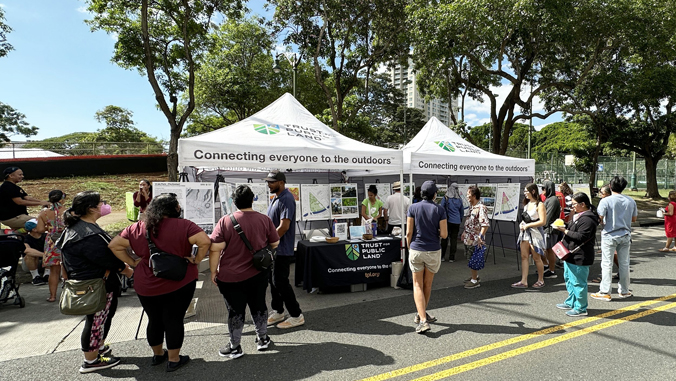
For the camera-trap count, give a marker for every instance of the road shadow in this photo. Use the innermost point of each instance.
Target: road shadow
(283, 361)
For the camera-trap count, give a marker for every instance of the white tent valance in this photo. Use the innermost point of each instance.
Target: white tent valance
(287, 136)
(437, 150)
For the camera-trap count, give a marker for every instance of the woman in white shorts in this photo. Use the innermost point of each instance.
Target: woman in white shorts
(426, 226)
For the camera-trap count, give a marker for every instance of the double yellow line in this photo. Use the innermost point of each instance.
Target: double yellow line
(528, 348)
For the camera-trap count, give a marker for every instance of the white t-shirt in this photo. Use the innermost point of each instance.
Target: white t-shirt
(393, 206)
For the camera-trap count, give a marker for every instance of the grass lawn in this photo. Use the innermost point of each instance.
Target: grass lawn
(111, 187)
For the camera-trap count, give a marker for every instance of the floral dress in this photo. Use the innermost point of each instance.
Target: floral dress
(52, 252)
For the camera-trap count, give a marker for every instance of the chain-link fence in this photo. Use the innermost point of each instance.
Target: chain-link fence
(23, 150)
(555, 166)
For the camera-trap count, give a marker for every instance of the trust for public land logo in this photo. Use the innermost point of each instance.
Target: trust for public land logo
(446, 146)
(352, 251)
(267, 129)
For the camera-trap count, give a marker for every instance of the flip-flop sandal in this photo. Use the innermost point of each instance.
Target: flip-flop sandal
(538, 284)
(519, 285)
(665, 249)
(51, 300)
(596, 280)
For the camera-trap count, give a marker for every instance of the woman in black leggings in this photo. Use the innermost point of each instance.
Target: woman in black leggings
(85, 256)
(165, 301)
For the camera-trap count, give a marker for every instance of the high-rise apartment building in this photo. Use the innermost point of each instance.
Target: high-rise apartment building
(403, 78)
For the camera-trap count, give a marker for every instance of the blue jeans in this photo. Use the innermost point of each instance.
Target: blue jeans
(610, 245)
(576, 284)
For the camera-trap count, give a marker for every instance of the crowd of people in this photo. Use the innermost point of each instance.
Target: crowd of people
(72, 246)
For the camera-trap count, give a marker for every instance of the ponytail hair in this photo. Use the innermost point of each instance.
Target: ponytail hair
(82, 202)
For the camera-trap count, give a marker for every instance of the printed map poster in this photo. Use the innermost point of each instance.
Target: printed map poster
(344, 202)
(199, 205)
(488, 192)
(441, 192)
(260, 191)
(225, 191)
(170, 187)
(384, 190)
(295, 191)
(584, 188)
(315, 203)
(507, 202)
(462, 189)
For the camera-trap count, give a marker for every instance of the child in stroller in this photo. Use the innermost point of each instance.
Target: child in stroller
(11, 248)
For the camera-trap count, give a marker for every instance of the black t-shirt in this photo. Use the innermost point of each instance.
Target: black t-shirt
(8, 208)
(36, 243)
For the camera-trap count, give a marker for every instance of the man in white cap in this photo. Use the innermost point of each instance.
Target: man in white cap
(395, 208)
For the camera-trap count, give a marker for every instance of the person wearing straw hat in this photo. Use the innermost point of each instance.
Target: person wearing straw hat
(392, 210)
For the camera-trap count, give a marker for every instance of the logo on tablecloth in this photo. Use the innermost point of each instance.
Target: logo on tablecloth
(352, 251)
(446, 146)
(267, 129)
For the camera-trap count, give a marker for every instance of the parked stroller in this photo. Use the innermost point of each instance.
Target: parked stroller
(11, 248)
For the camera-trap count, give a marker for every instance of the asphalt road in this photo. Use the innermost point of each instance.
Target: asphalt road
(490, 333)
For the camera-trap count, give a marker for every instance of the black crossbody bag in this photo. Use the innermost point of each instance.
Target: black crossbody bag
(166, 265)
(263, 258)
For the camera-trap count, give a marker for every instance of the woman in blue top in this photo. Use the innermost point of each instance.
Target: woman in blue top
(452, 204)
(428, 221)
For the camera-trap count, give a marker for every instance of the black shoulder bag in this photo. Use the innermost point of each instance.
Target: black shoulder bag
(263, 258)
(166, 265)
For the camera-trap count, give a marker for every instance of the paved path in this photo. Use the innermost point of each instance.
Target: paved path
(491, 333)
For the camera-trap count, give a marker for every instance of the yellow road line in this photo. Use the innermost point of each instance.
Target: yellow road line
(541, 344)
(514, 340)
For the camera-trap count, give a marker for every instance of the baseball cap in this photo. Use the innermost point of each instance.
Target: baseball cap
(275, 176)
(30, 224)
(429, 187)
(8, 171)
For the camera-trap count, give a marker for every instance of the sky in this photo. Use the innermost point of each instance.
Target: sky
(59, 73)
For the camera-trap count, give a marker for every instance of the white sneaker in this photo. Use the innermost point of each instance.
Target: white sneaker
(292, 322)
(275, 317)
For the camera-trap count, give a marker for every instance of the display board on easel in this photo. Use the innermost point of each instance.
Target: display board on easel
(344, 201)
(488, 192)
(316, 202)
(260, 191)
(507, 201)
(462, 189)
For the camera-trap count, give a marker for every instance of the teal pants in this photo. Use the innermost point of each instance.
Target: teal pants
(576, 284)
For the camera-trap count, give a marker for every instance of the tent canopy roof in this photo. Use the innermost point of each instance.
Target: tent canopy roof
(283, 135)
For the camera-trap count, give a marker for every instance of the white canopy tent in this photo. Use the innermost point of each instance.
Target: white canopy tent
(284, 135)
(437, 150)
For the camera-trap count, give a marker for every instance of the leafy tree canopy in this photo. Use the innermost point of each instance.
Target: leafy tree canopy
(5, 47)
(12, 122)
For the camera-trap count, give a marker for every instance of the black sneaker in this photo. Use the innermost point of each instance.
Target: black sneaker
(174, 366)
(262, 345)
(559, 264)
(101, 362)
(38, 281)
(46, 278)
(229, 351)
(549, 274)
(105, 351)
(159, 359)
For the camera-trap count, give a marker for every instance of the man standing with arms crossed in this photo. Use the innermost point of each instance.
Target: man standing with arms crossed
(282, 212)
(617, 212)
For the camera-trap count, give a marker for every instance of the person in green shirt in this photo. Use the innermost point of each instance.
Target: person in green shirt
(371, 207)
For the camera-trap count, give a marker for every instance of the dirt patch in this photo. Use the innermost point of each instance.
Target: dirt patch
(111, 187)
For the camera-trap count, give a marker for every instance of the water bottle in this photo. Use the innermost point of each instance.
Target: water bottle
(374, 227)
(334, 227)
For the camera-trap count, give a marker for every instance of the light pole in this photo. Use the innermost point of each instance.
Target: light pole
(530, 120)
(293, 61)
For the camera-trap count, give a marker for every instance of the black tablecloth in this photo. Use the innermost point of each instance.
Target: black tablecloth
(322, 264)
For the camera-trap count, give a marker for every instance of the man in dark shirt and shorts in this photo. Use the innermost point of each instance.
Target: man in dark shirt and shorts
(282, 212)
(14, 200)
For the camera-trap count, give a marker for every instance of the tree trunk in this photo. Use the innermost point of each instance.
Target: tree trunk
(595, 162)
(651, 177)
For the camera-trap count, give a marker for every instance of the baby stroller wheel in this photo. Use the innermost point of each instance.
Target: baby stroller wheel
(20, 301)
